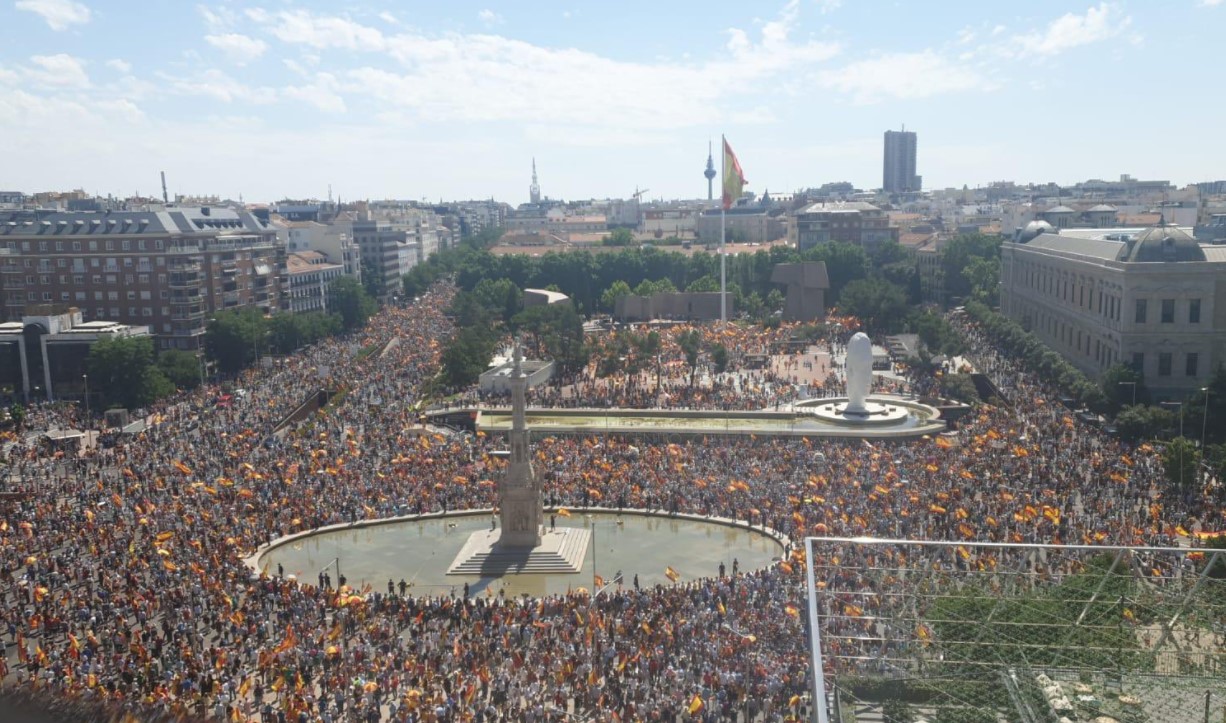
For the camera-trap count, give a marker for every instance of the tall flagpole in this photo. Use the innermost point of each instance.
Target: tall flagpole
(723, 253)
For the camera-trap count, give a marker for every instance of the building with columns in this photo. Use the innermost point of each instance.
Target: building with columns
(1153, 298)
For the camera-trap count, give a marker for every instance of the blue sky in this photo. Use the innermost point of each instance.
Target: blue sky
(452, 100)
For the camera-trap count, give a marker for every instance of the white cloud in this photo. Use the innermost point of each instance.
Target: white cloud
(122, 66)
(829, 6)
(318, 31)
(1210, 3)
(321, 94)
(61, 70)
(389, 18)
(59, 14)
(238, 49)
(1069, 31)
(216, 84)
(489, 17)
(904, 76)
(486, 77)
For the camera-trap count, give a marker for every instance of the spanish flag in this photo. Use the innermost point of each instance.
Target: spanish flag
(672, 574)
(696, 705)
(734, 184)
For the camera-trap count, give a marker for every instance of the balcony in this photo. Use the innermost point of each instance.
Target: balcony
(185, 281)
(178, 265)
(195, 312)
(186, 296)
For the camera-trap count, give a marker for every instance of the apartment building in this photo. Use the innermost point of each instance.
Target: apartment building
(168, 269)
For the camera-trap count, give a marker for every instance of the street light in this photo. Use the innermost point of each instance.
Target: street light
(1179, 406)
(85, 379)
(1204, 419)
(1134, 390)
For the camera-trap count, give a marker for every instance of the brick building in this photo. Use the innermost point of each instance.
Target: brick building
(168, 269)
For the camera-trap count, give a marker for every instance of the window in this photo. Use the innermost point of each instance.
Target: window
(1194, 311)
(131, 296)
(76, 245)
(1168, 311)
(1142, 311)
(1190, 364)
(97, 279)
(1164, 364)
(1138, 361)
(127, 245)
(100, 313)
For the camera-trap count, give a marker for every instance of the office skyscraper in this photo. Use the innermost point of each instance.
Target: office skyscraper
(898, 175)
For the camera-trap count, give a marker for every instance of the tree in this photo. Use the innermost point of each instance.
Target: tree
(660, 286)
(1180, 461)
(354, 303)
(1118, 386)
(877, 303)
(608, 299)
(845, 263)
(960, 387)
(124, 372)
(234, 338)
(1141, 421)
(719, 358)
(182, 368)
(690, 342)
(502, 298)
(618, 237)
(983, 275)
(774, 301)
(957, 256)
(467, 355)
(555, 330)
(289, 332)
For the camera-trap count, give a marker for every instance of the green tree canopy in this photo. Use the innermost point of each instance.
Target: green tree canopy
(1139, 422)
(123, 372)
(608, 299)
(957, 256)
(349, 299)
(618, 237)
(877, 303)
(182, 368)
(234, 338)
(556, 331)
(1118, 382)
(1180, 462)
(467, 355)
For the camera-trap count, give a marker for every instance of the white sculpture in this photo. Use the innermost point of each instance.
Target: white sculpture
(859, 366)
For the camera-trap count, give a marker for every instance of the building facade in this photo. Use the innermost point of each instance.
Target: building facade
(898, 173)
(743, 224)
(853, 222)
(1154, 299)
(44, 355)
(309, 274)
(168, 270)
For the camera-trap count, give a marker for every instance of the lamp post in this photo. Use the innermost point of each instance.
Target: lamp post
(1134, 390)
(85, 379)
(1204, 419)
(1178, 406)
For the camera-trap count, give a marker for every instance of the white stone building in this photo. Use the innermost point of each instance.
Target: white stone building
(1153, 298)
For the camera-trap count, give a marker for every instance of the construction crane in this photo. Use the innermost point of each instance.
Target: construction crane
(638, 195)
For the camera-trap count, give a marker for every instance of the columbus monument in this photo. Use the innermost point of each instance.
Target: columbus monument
(521, 544)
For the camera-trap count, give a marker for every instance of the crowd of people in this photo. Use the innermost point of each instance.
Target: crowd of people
(126, 587)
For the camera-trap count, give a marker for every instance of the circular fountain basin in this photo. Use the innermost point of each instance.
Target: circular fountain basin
(420, 549)
(875, 413)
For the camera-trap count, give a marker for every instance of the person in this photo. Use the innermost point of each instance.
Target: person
(403, 586)
(280, 570)
(721, 568)
(391, 587)
(553, 520)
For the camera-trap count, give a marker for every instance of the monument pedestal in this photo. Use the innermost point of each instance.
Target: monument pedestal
(561, 552)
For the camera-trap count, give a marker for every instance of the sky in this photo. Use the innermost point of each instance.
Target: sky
(272, 99)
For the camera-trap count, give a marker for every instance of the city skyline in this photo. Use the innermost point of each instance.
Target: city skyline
(455, 102)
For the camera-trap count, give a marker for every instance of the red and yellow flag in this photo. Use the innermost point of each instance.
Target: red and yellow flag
(734, 177)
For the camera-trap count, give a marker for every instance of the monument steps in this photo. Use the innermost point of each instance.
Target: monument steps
(561, 552)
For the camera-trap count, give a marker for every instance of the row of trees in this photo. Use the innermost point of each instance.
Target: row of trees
(130, 373)
(493, 309)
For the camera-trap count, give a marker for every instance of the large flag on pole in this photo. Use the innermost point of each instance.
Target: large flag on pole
(734, 177)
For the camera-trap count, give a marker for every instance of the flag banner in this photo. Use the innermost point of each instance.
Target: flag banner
(734, 177)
